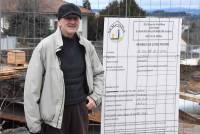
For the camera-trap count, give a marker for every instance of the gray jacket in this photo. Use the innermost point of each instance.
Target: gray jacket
(44, 91)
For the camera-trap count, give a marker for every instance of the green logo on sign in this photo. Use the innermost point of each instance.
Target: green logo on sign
(116, 31)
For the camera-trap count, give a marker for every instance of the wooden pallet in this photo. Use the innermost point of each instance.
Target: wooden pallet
(8, 72)
(16, 57)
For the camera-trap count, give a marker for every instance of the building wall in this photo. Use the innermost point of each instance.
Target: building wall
(8, 42)
(53, 25)
(84, 27)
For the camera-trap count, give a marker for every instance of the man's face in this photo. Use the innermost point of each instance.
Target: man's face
(69, 25)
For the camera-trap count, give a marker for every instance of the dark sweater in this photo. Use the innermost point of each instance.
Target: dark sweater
(73, 67)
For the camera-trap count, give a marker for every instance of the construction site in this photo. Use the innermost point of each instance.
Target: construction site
(25, 23)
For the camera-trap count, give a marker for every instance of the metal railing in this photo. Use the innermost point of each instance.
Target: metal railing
(191, 52)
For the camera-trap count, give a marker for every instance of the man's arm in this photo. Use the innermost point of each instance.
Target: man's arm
(98, 77)
(32, 89)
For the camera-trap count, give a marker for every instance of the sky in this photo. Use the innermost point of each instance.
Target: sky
(147, 4)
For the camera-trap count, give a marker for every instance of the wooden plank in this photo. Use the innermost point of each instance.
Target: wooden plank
(7, 77)
(18, 114)
(12, 117)
(13, 112)
(194, 119)
(24, 67)
(190, 97)
(7, 72)
(13, 67)
(95, 117)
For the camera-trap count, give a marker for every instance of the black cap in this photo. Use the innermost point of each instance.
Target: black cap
(68, 9)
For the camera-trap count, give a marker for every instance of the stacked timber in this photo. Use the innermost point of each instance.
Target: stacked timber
(12, 82)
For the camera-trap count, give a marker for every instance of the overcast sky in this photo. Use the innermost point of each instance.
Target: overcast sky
(147, 4)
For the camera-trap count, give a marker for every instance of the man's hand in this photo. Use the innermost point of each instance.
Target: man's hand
(91, 103)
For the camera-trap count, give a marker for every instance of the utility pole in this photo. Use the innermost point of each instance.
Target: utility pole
(126, 8)
(34, 13)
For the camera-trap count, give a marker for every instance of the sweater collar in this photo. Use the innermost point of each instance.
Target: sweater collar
(59, 41)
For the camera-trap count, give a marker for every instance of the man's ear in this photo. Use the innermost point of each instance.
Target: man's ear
(58, 24)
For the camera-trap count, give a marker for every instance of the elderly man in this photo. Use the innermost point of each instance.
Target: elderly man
(64, 79)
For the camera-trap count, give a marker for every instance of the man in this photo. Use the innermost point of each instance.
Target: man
(63, 74)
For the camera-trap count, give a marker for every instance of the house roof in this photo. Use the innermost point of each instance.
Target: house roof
(44, 6)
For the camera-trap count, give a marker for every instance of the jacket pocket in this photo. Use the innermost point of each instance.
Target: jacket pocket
(47, 118)
(47, 105)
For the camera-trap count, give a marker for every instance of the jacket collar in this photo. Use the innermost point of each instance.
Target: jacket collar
(59, 41)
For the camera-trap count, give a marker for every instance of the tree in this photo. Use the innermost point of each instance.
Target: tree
(192, 35)
(92, 31)
(27, 22)
(86, 4)
(118, 9)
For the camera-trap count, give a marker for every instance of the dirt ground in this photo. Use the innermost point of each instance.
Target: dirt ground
(187, 81)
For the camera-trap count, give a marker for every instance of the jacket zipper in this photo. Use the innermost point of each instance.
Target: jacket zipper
(61, 105)
(63, 87)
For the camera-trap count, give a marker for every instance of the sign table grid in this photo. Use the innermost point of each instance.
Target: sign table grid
(141, 62)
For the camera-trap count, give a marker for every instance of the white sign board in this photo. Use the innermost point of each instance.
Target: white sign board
(141, 58)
